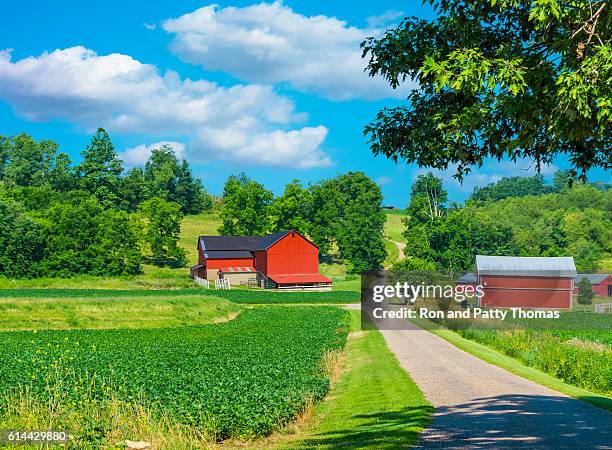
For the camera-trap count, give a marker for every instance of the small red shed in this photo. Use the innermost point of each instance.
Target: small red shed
(600, 282)
(285, 260)
(526, 282)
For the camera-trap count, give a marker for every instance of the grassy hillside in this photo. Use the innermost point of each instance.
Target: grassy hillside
(394, 226)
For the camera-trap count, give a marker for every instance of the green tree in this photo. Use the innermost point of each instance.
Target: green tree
(246, 207)
(28, 162)
(514, 78)
(133, 189)
(100, 170)
(173, 181)
(427, 199)
(585, 292)
(116, 244)
(163, 230)
(21, 243)
(190, 193)
(82, 237)
(62, 177)
(359, 226)
(292, 210)
(512, 187)
(5, 146)
(161, 171)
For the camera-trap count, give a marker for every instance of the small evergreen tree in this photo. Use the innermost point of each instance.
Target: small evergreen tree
(99, 172)
(585, 292)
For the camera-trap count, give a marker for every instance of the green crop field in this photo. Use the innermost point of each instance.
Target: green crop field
(243, 378)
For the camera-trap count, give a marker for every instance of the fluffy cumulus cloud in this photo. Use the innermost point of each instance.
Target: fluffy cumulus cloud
(138, 155)
(126, 96)
(270, 43)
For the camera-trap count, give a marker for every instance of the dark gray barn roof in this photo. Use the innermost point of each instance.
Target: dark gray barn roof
(213, 245)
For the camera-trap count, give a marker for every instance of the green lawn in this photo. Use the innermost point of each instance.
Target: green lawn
(374, 405)
(111, 311)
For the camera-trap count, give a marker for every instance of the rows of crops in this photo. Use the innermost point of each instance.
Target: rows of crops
(237, 379)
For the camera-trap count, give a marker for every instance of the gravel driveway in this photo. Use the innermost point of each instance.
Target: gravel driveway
(479, 405)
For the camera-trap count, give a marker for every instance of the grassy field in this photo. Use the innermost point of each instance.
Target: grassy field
(394, 226)
(49, 312)
(243, 378)
(374, 405)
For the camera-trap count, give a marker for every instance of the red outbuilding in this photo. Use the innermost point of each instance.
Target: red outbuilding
(285, 260)
(526, 282)
(600, 282)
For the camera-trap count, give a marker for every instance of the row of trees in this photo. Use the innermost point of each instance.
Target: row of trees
(342, 215)
(76, 234)
(575, 222)
(61, 220)
(27, 164)
(535, 185)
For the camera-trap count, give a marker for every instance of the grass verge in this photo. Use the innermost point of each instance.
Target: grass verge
(374, 405)
(516, 367)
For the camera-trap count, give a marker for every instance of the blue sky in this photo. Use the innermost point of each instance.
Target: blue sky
(272, 89)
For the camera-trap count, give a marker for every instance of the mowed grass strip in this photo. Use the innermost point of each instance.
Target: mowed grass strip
(240, 379)
(374, 405)
(255, 296)
(100, 312)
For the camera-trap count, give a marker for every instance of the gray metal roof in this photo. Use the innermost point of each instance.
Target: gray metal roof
(467, 278)
(534, 266)
(594, 278)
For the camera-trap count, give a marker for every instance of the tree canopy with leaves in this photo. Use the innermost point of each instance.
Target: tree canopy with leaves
(246, 207)
(498, 78)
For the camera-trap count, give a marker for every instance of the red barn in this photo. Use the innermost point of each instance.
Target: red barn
(600, 282)
(526, 282)
(285, 260)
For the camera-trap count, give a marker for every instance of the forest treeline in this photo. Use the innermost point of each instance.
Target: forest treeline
(520, 216)
(61, 219)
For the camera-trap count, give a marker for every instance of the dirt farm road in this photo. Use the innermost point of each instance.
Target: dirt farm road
(479, 405)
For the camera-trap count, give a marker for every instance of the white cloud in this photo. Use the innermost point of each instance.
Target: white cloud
(385, 19)
(270, 43)
(126, 96)
(138, 155)
(384, 180)
(150, 26)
